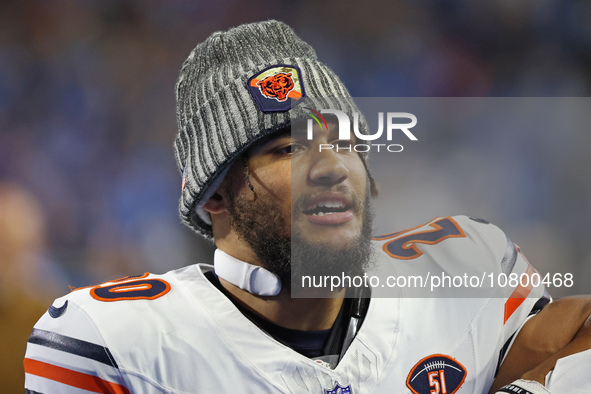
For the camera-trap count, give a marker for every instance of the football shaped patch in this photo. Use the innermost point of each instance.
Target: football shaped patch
(276, 88)
(436, 374)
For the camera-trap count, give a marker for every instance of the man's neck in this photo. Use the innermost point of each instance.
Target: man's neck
(306, 314)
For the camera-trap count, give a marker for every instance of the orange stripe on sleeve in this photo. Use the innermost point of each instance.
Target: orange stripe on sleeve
(519, 295)
(72, 378)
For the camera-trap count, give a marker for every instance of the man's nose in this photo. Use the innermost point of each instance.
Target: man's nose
(328, 168)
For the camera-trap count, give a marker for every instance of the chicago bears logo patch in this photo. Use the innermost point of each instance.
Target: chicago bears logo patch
(338, 389)
(436, 374)
(276, 88)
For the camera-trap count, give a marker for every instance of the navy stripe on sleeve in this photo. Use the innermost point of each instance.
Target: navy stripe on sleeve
(72, 345)
(502, 354)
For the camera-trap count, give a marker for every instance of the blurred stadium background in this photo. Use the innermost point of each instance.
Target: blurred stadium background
(88, 184)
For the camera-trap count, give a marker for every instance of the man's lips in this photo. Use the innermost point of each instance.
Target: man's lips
(328, 209)
(328, 200)
(332, 218)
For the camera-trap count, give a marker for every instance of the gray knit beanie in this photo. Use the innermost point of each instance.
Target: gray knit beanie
(235, 88)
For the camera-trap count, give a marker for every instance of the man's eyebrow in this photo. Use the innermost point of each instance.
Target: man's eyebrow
(299, 132)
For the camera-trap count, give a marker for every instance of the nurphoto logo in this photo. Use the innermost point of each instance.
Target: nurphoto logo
(393, 125)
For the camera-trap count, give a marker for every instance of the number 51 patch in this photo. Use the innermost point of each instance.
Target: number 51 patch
(436, 374)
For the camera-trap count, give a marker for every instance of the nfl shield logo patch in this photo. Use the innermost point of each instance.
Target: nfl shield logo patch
(338, 389)
(277, 88)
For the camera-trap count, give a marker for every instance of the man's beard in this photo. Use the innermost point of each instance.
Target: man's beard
(263, 225)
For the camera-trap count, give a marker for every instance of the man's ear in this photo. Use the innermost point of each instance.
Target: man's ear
(216, 204)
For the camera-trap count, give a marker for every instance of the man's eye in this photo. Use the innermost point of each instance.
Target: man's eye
(344, 145)
(287, 150)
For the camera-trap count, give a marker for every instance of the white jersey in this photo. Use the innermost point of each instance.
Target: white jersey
(177, 333)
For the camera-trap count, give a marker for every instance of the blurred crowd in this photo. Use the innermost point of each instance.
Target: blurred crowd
(88, 184)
